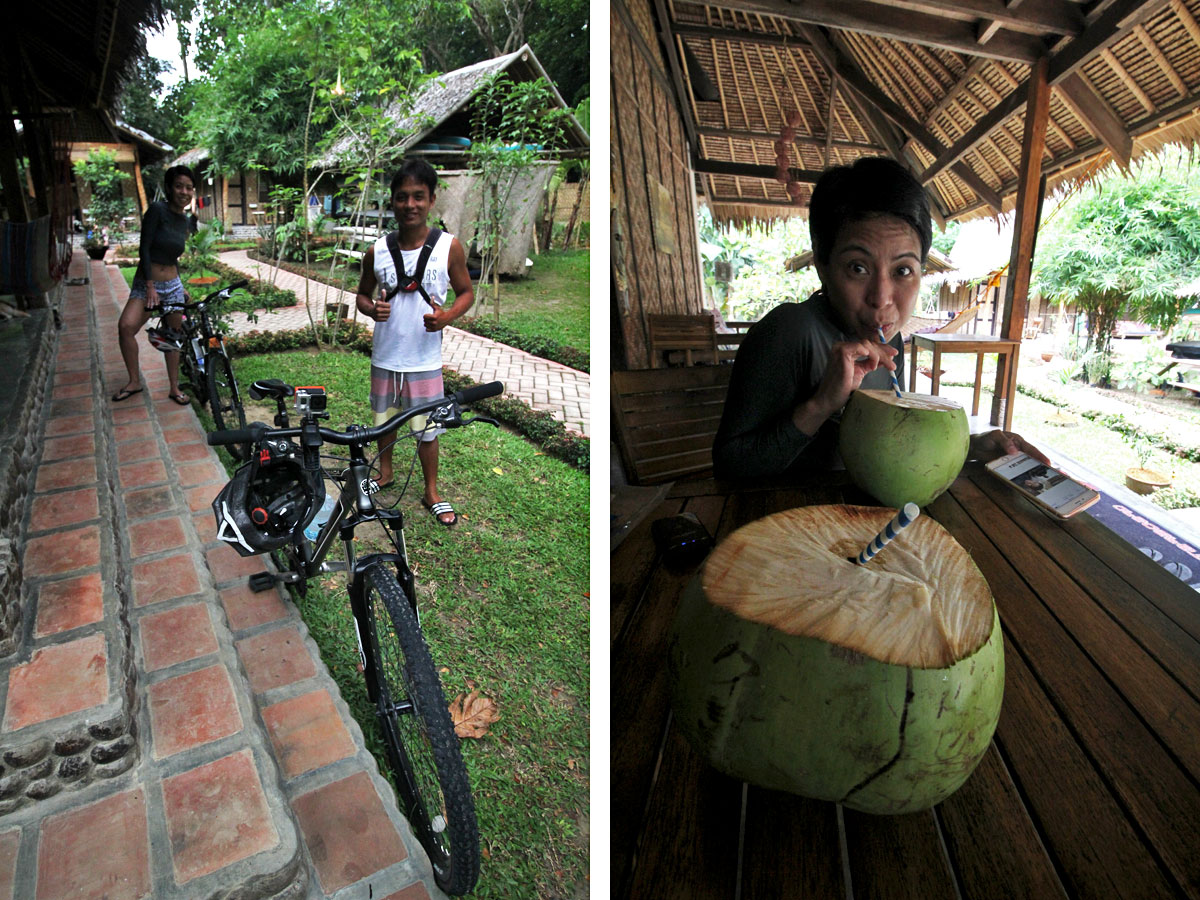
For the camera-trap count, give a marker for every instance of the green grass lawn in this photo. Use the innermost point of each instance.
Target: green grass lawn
(552, 301)
(504, 602)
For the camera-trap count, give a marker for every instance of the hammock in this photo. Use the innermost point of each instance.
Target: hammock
(928, 325)
(31, 260)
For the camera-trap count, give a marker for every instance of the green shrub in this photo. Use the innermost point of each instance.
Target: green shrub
(538, 346)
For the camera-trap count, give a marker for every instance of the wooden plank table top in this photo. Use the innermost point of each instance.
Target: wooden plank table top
(1091, 787)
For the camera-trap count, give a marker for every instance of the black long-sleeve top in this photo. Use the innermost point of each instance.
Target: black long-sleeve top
(778, 366)
(164, 236)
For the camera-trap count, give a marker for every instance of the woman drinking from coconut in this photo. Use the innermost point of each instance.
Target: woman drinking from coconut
(797, 367)
(156, 287)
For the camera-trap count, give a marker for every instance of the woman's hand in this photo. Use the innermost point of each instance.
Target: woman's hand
(849, 362)
(151, 297)
(995, 444)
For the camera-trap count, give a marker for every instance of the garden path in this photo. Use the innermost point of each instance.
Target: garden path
(563, 391)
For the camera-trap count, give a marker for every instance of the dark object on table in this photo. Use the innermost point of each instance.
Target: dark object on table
(1185, 349)
(681, 539)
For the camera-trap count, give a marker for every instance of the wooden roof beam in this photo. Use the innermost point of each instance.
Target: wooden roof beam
(744, 37)
(744, 170)
(890, 21)
(1098, 116)
(1111, 25)
(737, 134)
(1040, 18)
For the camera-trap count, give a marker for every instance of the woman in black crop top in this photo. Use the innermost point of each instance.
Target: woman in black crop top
(156, 286)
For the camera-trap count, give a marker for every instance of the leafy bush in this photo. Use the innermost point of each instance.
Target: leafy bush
(1176, 497)
(262, 294)
(538, 346)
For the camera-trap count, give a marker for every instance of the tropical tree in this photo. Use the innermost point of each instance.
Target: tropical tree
(1121, 248)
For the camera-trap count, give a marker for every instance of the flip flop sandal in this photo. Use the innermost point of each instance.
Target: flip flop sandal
(124, 394)
(439, 509)
(181, 399)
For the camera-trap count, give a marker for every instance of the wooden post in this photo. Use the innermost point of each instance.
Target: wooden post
(1028, 209)
(227, 225)
(139, 181)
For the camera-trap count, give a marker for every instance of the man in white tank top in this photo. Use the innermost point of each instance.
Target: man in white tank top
(406, 359)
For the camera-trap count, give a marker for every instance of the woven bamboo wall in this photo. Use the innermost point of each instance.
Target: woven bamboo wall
(649, 149)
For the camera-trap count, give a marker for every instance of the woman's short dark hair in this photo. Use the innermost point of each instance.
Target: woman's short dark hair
(174, 172)
(418, 170)
(874, 185)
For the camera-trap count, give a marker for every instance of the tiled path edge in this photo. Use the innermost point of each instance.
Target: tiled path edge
(166, 732)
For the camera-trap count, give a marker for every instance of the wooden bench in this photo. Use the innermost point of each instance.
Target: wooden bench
(665, 420)
(687, 338)
(353, 254)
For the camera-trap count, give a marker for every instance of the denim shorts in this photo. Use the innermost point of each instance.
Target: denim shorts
(170, 293)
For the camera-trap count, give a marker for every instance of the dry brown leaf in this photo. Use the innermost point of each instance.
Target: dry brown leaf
(472, 714)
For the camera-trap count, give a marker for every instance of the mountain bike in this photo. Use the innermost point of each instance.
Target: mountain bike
(204, 363)
(401, 680)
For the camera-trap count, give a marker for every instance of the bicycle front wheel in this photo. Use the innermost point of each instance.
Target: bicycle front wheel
(422, 746)
(225, 402)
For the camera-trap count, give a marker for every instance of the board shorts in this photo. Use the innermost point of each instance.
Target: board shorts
(170, 294)
(392, 391)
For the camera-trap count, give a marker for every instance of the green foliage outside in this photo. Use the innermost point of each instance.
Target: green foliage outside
(106, 205)
(1122, 246)
(504, 601)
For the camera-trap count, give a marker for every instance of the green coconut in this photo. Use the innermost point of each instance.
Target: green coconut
(905, 449)
(875, 686)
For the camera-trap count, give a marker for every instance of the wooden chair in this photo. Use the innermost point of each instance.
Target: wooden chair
(687, 338)
(664, 420)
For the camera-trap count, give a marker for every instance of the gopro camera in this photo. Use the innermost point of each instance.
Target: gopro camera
(310, 400)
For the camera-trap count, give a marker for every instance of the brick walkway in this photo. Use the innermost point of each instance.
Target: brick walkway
(542, 384)
(166, 732)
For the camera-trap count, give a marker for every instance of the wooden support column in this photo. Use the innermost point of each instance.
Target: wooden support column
(226, 222)
(1027, 212)
(139, 181)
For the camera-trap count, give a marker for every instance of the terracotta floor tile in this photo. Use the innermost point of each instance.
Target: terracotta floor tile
(156, 535)
(192, 709)
(10, 842)
(67, 508)
(73, 860)
(72, 473)
(201, 497)
(307, 732)
(226, 565)
(347, 832)
(64, 551)
(275, 657)
(194, 473)
(192, 452)
(70, 425)
(217, 814)
(63, 605)
(148, 502)
(71, 447)
(73, 378)
(183, 431)
(246, 609)
(415, 891)
(71, 406)
(140, 474)
(68, 391)
(60, 679)
(165, 579)
(131, 410)
(185, 632)
(132, 431)
(133, 451)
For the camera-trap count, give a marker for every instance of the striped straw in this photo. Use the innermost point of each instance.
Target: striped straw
(895, 382)
(904, 518)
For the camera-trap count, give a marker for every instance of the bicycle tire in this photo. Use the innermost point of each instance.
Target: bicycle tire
(225, 403)
(429, 773)
(193, 375)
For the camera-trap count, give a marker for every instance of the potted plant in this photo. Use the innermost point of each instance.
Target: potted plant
(107, 206)
(1139, 478)
(200, 253)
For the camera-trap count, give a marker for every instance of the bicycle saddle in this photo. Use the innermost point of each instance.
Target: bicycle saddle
(271, 387)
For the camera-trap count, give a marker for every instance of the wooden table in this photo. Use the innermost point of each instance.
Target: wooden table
(1090, 787)
(980, 345)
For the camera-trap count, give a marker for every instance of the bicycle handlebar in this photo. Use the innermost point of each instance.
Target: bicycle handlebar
(357, 434)
(196, 304)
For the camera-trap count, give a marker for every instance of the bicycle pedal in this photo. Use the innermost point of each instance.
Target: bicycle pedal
(261, 581)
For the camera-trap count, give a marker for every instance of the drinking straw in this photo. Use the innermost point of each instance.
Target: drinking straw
(895, 382)
(903, 519)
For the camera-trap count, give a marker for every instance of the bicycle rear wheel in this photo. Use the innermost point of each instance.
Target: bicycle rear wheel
(422, 746)
(225, 402)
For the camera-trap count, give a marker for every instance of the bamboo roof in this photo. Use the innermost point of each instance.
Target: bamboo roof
(938, 84)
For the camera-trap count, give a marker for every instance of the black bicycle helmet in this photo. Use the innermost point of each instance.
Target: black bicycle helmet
(267, 500)
(166, 339)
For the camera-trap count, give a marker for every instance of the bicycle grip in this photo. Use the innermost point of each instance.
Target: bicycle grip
(251, 434)
(237, 285)
(479, 392)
